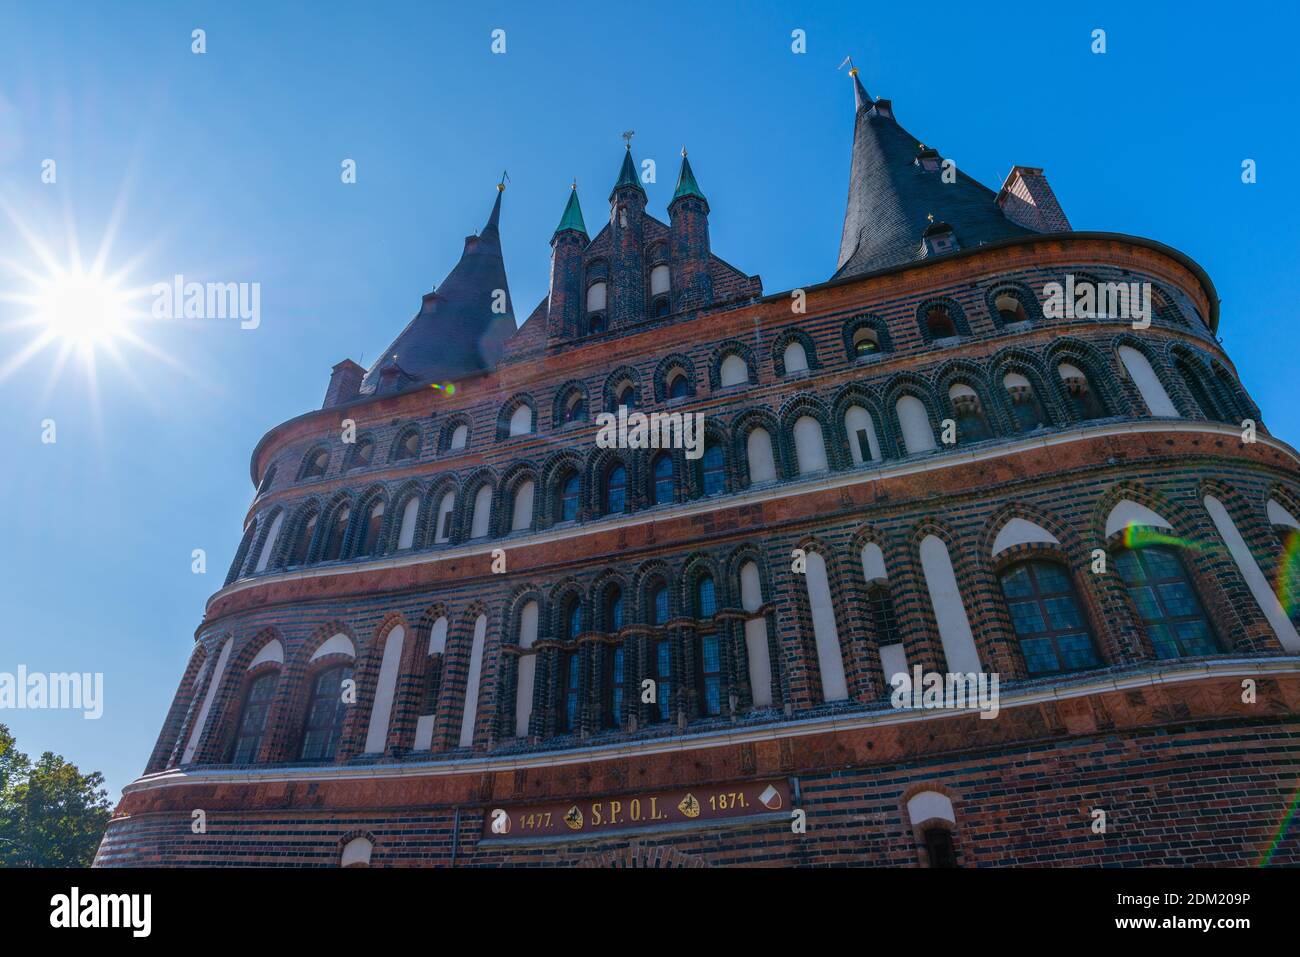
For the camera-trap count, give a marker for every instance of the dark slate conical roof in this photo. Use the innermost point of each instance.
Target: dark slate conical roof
(456, 333)
(891, 197)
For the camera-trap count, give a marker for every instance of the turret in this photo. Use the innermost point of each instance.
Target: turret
(627, 300)
(565, 307)
(689, 210)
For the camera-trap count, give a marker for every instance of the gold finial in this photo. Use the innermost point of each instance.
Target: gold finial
(848, 60)
(683, 152)
(505, 178)
(930, 217)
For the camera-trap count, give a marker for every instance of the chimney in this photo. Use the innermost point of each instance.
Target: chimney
(345, 384)
(1027, 200)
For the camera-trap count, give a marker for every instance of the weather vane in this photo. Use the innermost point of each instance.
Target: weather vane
(505, 178)
(848, 60)
(627, 138)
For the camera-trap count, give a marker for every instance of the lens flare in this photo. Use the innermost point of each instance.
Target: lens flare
(1288, 574)
(1142, 536)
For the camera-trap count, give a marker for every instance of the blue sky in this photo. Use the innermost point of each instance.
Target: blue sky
(225, 167)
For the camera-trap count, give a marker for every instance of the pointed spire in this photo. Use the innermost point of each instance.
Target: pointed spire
(572, 218)
(686, 184)
(494, 220)
(860, 95)
(627, 174)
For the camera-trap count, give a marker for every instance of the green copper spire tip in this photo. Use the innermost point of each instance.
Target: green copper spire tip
(686, 184)
(572, 218)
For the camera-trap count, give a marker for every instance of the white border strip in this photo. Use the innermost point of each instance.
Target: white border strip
(926, 462)
(1142, 677)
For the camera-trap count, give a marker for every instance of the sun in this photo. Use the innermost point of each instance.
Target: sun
(82, 309)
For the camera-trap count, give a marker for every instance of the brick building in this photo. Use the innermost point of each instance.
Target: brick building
(471, 636)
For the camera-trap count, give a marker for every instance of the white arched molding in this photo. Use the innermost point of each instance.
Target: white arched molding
(830, 660)
(268, 547)
(1019, 531)
(1255, 578)
(272, 651)
(809, 445)
(460, 437)
(760, 665)
(356, 853)
(470, 711)
(1128, 513)
(857, 424)
(482, 517)
(893, 657)
(873, 563)
(527, 669)
(424, 724)
(385, 689)
(196, 733)
(914, 423)
(1279, 515)
(949, 612)
(795, 358)
(406, 534)
(521, 421)
(762, 463)
(596, 297)
(442, 530)
(521, 514)
(930, 806)
(339, 644)
(734, 371)
(1147, 382)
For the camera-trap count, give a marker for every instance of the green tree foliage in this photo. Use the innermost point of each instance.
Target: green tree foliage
(51, 815)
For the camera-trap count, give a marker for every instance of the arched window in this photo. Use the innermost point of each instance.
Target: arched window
(733, 371)
(866, 342)
(1026, 408)
(572, 619)
(1148, 383)
(809, 445)
(481, 520)
(316, 464)
(1010, 309)
(365, 451)
(575, 408)
(1165, 600)
(1288, 577)
(469, 714)
(595, 323)
(252, 718)
(661, 673)
(705, 599)
(625, 396)
(326, 712)
(356, 853)
(756, 645)
(830, 659)
(570, 672)
(370, 533)
(432, 685)
(972, 426)
(939, 847)
(939, 324)
(662, 307)
(521, 509)
(406, 533)
(267, 480)
(408, 447)
(659, 604)
(442, 528)
(795, 358)
(1209, 408)
(758, 452)
(268, 546)
(679, 387)
(660, 280)
(614, 609)
(527, 670)
(1082, 397)
(337, 532)
(708, 672)
(713, 471)
(459, 437)
(596, 297)
(914, 423)
(1045, 616)
(613, 687)
(567, 505)
(665, 487)
(862, 435)
(521, 420)
(884, 621)
(616, 491)
(302, 544)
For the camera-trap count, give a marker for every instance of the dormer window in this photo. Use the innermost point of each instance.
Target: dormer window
(929, 159)
(938, 238)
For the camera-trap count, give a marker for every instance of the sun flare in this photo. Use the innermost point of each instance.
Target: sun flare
(81, 308)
